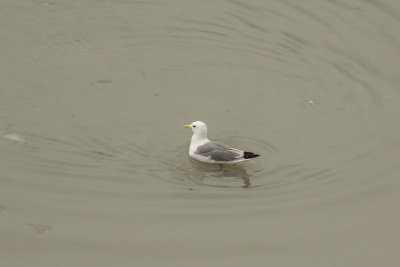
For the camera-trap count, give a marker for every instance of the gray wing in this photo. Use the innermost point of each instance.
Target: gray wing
(219, 152)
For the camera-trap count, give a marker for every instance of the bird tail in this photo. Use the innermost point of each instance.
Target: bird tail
(249, 155)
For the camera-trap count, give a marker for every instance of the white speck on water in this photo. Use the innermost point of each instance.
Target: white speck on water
(14, 137)
(311, 102)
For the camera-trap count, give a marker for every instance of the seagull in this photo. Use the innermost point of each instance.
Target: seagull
(205, 150)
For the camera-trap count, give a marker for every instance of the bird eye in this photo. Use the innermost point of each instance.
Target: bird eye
(194, 126)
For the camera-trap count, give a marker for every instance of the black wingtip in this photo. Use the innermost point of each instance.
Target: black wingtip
(249, 155)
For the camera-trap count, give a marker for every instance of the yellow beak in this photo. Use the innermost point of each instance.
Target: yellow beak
(187, 126)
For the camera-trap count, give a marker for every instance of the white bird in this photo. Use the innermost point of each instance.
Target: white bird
(208, 151)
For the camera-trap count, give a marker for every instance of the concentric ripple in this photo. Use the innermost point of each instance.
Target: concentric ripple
(328, 60)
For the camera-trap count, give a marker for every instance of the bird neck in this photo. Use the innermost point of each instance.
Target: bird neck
(199, 137)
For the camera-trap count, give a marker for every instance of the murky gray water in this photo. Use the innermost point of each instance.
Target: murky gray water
(93, 156)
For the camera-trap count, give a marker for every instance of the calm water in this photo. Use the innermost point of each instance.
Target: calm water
(93, 156)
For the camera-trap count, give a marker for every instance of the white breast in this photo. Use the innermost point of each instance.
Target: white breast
(194, 144)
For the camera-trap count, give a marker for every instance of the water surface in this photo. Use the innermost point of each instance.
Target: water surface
(93, 156)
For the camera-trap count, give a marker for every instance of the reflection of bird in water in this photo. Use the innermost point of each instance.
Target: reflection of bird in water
(213, 175)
